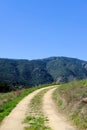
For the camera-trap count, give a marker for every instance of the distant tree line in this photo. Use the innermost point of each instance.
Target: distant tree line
(4, 87)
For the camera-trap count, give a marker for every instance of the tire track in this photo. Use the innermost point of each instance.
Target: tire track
(56, 120)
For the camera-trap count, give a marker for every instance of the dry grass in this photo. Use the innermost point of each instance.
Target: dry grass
(6, 97)
(70, 99)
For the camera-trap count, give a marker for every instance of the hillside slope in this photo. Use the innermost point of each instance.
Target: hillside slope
(71, 98)
(34, 72)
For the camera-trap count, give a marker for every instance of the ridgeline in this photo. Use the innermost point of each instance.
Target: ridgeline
(34, 72)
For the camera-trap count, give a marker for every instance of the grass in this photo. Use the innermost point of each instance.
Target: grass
(69, 98)
(9, 100)
(37, 123)
(36, 118)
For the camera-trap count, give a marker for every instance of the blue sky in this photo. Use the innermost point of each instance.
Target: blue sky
(33, 29)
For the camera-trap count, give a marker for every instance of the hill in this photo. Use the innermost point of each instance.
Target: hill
(35, 72)
(72, 100)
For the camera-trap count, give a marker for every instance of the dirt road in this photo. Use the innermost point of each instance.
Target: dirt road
(56, 120)
(15, 119)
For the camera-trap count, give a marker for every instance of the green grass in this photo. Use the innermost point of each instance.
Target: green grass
(6, 107)
(36, 118)
(60, 102)
(37, 123)
(69, 100)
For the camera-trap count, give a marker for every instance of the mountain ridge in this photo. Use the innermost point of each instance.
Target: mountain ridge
(41, 71)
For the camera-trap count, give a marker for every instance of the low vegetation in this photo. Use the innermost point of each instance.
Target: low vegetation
(36, 119)
(9, 100)
(72, 100)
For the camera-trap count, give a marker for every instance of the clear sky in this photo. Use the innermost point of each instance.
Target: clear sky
(33, 29)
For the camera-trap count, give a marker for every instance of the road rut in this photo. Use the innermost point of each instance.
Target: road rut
(56, 120)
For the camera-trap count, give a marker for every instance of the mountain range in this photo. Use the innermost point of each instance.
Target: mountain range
(42, 71)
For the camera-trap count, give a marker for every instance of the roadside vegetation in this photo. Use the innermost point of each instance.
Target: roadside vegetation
(71, 99)
(36, 118)
(9, 100)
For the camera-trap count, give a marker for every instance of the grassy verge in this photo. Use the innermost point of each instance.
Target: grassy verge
(11, 100)
(69, 98)
(36, 119)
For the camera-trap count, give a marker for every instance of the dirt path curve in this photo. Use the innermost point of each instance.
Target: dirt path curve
(56, 120)
(15, 119)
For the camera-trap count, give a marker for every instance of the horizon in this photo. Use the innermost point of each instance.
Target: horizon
(39, 29)
(43, 58)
